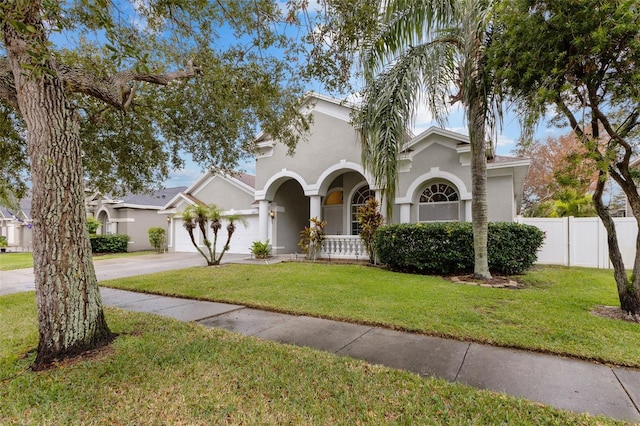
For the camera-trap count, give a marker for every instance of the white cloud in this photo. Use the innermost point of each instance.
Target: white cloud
(184, 177)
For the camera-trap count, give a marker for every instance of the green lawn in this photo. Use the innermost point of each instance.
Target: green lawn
(161, 371)
(11, 261)
(550, 315)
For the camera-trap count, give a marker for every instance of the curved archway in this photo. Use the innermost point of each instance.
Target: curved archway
(105, 221)
(434, 174)
(326, 178)
(357, 198)
(272, 185)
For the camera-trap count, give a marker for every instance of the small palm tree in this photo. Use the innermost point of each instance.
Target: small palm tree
(204, 217)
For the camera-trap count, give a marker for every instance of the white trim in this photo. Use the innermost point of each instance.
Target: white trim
(105, 210)
(138, 206)
(247, 212)
(517, 162)
(176, 198)
(349, 204)
(435, 173)
(235, 182)
(122, 220)
(269, 192)
(323, 182)
(433, 130)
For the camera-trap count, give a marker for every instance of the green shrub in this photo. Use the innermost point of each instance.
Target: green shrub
(261, 250)
(513, 247)
(447, 248)
(109, 243)
(92, 225)
(157, 238)
(370, 219)
(3, 241)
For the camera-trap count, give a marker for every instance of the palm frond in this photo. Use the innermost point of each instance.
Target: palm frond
(422, 75)
(404, 23)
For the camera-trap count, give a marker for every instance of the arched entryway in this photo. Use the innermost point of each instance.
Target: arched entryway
(106, 226)
(346, 192)
(289, 215)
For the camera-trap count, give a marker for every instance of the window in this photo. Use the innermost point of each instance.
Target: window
(439, 202)
(359, 198)
(334, 198)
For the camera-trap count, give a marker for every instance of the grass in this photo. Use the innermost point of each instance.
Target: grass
(160, 371)
(23, 260)
(550, 315)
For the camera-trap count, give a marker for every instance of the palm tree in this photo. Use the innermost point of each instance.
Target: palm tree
(199, 216)
(432, 53)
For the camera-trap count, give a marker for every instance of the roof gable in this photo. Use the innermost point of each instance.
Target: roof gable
(243, 181)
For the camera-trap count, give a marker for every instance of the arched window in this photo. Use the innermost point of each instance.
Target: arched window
(334, 198)
(359, 198)
(439, 202)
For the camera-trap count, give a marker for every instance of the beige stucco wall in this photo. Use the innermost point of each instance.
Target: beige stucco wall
(224, 194)
(444, 158)
(136, 226)
(500, 198)
(330, 140)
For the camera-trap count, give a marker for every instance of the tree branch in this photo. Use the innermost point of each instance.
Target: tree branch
(7, 84)
(114, 90)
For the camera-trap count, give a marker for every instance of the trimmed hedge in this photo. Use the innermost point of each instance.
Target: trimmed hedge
(109, 243)
(447, 248)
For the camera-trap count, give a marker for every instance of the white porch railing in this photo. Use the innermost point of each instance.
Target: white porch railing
(343, 247)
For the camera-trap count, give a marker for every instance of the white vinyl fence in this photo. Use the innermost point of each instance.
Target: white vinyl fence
(582, 241)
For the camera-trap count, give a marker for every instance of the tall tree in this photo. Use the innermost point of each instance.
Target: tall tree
(583, 58)
(556, 163)
(424, 53)
(110, 100)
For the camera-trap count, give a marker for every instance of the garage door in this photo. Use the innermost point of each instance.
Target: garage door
(241, 242)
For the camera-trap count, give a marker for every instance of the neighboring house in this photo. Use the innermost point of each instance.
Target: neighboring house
(325, 179)
(234, 194)
(17, 225)
(132, 214)
(634, 164)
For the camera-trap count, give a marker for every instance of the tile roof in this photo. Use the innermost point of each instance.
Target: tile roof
(24, 210)
(158, 198)
(246, 178)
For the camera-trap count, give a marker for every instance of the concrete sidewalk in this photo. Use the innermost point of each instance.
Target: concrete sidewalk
(560, 382)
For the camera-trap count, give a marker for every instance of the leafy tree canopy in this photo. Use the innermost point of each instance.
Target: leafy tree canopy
(582, 59)
(149, 81)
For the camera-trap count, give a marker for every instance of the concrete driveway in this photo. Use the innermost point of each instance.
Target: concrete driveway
(22, 279)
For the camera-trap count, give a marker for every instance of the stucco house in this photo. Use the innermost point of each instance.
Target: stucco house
(325, 179)
(132, 214)
(232, 193)
(16, 225)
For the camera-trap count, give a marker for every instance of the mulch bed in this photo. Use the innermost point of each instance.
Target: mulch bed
(614, 312)
(496, 281)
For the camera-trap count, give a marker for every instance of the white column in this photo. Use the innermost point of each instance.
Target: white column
(315, 206)
(263, 220)
(381, 202)
(467, 211)
(405, 213)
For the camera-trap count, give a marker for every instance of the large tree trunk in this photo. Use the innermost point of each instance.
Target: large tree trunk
(628, 292)
(479, 205)
(70, 315)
